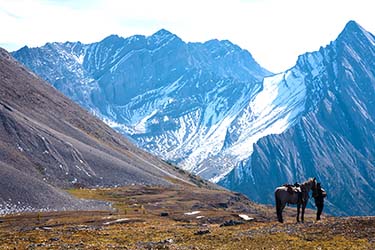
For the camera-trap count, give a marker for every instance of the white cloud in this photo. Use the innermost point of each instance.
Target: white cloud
(274, 31)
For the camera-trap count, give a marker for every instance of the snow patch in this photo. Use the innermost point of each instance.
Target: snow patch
(19, 148)
(272, 111)
(315, 62)
(192, 213)
(115, 221)
(245, 217)
(140, 127)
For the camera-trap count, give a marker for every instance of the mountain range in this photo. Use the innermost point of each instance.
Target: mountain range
(213, 110)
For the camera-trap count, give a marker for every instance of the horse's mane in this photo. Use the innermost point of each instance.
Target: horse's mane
(309, 181)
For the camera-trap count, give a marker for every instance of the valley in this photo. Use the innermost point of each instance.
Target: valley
(150, 217)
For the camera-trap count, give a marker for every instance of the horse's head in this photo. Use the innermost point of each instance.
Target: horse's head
(313, 184)
(310, 184)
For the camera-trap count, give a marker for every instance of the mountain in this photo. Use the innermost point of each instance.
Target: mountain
(48, 143)
(180, 101)
(334, 136)
(211, 109)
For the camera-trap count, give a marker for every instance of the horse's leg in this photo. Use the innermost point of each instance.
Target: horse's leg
(278, 208)
(281, 212)
(277, 202)
(303, 212)
(298, 208)
(279, 216)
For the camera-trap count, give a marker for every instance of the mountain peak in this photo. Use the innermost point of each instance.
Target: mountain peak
(163, 32)
(356, 41)
(222, 43)
(352, 28)
(112, 39)
(163, 37)
(3, 51)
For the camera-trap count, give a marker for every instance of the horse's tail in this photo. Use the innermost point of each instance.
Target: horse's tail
(278, 206)
(277, 201)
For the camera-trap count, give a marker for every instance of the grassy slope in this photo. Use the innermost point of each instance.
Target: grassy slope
(144, 228)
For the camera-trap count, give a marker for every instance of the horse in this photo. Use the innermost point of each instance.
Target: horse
(296, 195)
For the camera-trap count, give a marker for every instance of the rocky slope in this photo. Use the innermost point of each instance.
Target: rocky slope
(47, 142)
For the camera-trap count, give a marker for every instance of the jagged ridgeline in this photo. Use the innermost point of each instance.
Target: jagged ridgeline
(211, 109)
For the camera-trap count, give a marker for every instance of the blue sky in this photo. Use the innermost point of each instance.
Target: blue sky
(274, 31)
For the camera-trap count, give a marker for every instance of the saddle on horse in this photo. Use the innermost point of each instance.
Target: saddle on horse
(295, 188)
(292, 188)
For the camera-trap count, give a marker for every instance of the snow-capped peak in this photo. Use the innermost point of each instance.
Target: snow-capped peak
(162, 33)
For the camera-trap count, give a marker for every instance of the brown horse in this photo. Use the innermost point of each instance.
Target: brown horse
(296, 195)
